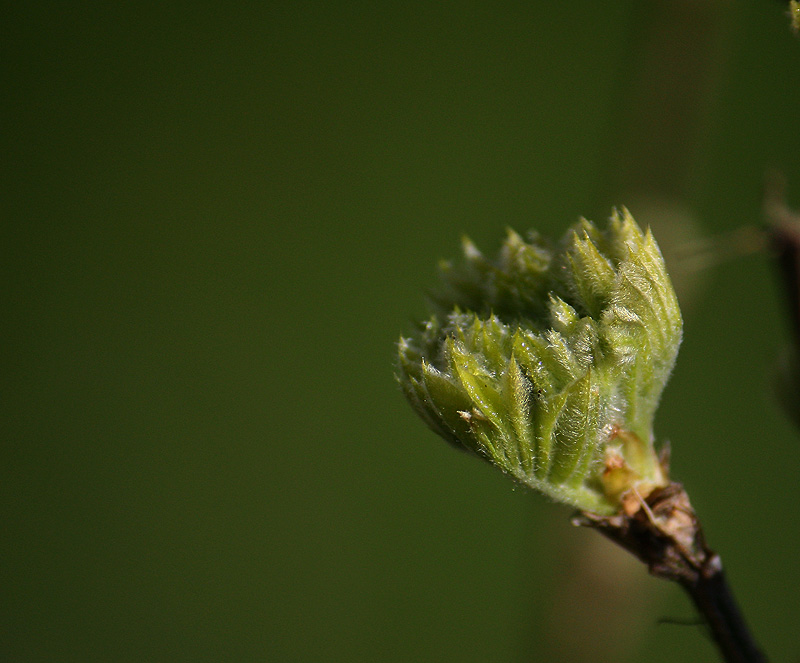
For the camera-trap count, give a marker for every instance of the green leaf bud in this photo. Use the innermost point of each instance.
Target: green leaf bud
(549, 361)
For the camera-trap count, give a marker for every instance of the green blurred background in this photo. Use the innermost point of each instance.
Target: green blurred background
(217, 221)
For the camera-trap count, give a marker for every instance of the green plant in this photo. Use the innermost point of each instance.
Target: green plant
(549, 362)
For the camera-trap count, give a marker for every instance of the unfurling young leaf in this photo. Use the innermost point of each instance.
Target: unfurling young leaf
(549, 363)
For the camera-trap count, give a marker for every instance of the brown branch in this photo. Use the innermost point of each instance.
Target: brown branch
(665, 534)
(783, 229)
(783, 232)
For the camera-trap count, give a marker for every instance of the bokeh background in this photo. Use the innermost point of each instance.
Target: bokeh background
(217, 221)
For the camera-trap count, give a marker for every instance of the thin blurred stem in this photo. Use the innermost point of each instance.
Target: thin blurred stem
(665, 97)
(783, 231)
(783, 226)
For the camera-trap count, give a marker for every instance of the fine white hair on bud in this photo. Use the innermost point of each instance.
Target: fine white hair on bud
(549, 361)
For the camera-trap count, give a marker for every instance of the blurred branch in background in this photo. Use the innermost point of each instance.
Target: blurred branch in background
(783, 229)
(666, 101)
(679, 49)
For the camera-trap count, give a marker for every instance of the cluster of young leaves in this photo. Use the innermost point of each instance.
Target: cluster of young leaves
(549, 362)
